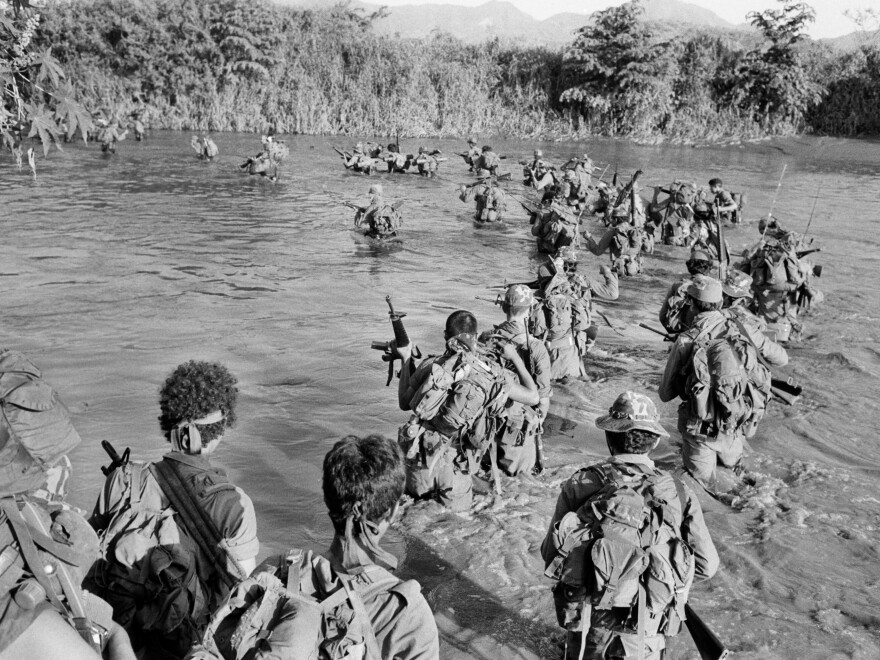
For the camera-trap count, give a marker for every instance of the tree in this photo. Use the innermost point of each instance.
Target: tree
(772, 81)
(621, 74)
(38, 101)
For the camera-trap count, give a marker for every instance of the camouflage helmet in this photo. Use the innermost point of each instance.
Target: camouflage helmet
(570, 175)
(567, 253)
(486, 148)
(705, 289)
(376, 189)
(539, 153)
(359, 148)
(483, 174)
(519, 295)
(423, 150)
(471, 140)
(699, 254)
(737, 284)
(632, 411)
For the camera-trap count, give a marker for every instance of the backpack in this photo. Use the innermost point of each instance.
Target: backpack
(727, 383)
(296, 606)
(460, 395)
(386, 220)
(581, 302)
(558, 230)
(679, 310)
(152, 571)
(34, 422)
(622, 548)
(553, 318)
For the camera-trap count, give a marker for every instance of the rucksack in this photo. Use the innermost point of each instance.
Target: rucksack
(679, 311)
(296, 606)
(581, 302)
(35, 426)
(152, 571)
(552, 319)
(621, 547)
(727, 383)
(559, 230)
(460, 395)
(386, 220)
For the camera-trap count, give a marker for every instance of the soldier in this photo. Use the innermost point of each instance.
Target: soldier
(382, 220)
(488, 196)
(488, 160)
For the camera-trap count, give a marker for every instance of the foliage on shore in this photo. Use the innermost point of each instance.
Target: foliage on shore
(249, 65)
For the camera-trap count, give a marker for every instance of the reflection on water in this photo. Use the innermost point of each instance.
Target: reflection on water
(114, 270)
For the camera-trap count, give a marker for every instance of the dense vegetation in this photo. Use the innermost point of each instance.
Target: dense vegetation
(250, 65)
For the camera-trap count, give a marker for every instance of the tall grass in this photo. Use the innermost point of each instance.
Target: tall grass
(248, 65)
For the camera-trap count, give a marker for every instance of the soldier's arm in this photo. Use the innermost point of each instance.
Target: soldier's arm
(772, 352)
(574, 493)
(696, 534)
(609, 288)
(668, 389)
(525, 391)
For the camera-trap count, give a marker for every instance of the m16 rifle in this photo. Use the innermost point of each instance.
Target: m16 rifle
(400, 339)
(116, 461)
(706, 641)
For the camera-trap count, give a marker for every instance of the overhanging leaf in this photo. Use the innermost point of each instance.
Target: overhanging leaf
(49, 68)
(43, 126)
(71, 114)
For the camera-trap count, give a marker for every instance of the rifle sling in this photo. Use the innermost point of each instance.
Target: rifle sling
(197, 522)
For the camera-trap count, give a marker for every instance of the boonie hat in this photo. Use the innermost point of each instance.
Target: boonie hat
(737, 284)
(376, 189)
(471, 140)
(632, 411)
(519, 295)
(705, 289)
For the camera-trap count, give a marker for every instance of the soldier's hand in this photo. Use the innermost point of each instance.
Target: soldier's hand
(402, 352)
(605, 271)
(508, 350)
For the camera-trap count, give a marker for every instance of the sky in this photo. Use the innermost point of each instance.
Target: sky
(830, 20)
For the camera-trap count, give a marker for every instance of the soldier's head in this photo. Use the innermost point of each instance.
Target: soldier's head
(423, 150)
(700, 262)
(376, 189)
(363, 481)
(359, 148)
(198, 404)
(393, 148)
(705, 293)
(518, 300)
(471, 142)
(715, 185)
(632, 425)
(486, 148)
(568, 255)
(737, 287)
(702, 210)
(461, 325)
(539, 153)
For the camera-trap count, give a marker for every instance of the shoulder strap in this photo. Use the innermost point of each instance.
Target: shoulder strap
(197, 522)
(373, 651)
(742, 330)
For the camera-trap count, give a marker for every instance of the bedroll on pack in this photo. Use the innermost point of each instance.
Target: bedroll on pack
(728, 385)
(623, 541)
(294, 607)
(35, 426)
(679, 312)
(459, 394)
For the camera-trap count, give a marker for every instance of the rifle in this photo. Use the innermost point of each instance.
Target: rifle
(803, 253)
(627, 188)
(614, 179)
(706, 641)
(539, 441)
(773, 203)
(810, 221)
(353, 206)
(604, 171)
(341, 153)
(666, 336)
(116, 461)
(400, 339)
(494, 301)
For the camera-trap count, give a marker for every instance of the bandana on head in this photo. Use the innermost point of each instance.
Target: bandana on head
(185, 437)
(363, 534)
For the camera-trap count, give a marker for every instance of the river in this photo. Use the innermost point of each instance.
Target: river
(113, 270)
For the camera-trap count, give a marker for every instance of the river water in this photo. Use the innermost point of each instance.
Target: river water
(113, 270)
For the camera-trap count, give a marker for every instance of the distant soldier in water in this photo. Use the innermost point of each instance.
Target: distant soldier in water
(137, 126)
(266, 162)
(472, 155)
(359, 160)
(382, 220)
(109, 135)
(427, 161)
(488, 196)
(725, 206)
(204, 146)
(397, 162)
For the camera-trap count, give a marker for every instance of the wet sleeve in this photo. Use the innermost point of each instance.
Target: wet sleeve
(540, 368)
(608, 288)
(695, 532)
(409, 632)
(668, 389)
(772, 352)
(238, 524)
(602, 246)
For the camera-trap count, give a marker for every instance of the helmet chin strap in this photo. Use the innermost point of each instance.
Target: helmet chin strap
(185, 437)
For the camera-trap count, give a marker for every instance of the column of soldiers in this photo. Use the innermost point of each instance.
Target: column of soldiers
(166, 565)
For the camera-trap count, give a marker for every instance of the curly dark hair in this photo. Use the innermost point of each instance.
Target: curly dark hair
(367, 470)
(699, 266)
(634, 441)
(195, 389)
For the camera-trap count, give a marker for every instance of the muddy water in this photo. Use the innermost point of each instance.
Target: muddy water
(114, 270)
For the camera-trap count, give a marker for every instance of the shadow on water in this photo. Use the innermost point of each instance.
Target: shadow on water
(472, 621)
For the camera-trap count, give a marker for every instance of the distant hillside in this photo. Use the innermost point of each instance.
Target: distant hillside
(854, 40)
(503, 20)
